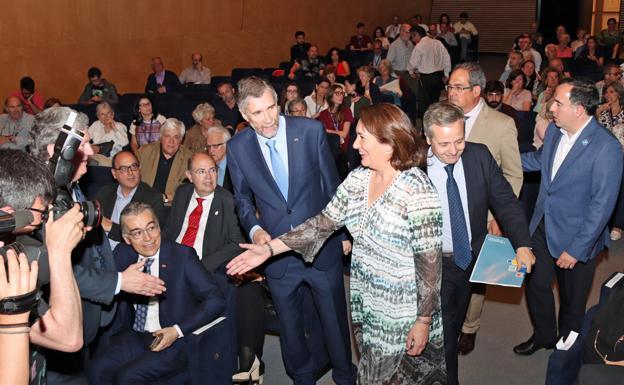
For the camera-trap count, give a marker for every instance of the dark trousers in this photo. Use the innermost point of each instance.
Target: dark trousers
(128, 360)
(250, 326)
(432, 87)
(455, 295)
(574, 286)
(327, 290)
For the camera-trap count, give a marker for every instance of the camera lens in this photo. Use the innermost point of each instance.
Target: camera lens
(91, 212)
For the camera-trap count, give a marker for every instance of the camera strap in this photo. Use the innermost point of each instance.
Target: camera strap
(20, 303)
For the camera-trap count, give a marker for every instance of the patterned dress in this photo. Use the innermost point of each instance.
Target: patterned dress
(395, 272)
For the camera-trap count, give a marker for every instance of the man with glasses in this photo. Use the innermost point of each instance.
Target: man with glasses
(612, 72)
(498, 132)
(202, 215)
(216, 145)
(127, 188)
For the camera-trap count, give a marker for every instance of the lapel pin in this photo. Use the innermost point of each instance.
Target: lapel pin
(296, 139)
(585, 142)
(164, 266)
(217, 212)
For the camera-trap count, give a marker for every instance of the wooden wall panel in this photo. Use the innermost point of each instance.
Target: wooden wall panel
(499, 21)
(56, 41)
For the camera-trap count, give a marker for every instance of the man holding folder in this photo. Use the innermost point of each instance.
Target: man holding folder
(469, 182)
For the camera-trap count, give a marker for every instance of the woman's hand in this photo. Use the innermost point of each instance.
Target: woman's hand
(417, 338)
(602, 108)
(252, 258)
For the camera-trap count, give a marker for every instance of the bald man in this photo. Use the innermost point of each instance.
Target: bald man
(197, 73)
(15, 125)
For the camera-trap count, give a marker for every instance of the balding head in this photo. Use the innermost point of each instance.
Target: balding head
(13, 106)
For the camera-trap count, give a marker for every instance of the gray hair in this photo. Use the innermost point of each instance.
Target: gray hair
(24, 178)
(102, 106)
(386, 63)
(441, 114)
(476, 76)
(291, 105)
(252, 87)
(220, 130)
(202, 110)
(135, 208)
(172, 124)
(47, 128)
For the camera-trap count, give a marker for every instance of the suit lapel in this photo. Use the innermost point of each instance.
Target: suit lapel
(293, 140)
(163, 273)
(214, 222)
(479, 125)
(581, 144)
(471, 177)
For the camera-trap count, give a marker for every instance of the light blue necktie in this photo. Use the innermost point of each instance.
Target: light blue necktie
(140, 316)
(461, 244)
(279, 171)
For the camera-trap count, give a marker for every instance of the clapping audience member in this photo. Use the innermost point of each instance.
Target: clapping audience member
(290, 92)
(106, 129)
(161, 81)
(145, 128)
(98, 89)
(31, 100)
(195, 137)
(197, 73)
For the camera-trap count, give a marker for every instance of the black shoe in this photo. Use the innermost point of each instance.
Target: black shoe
(529, 347)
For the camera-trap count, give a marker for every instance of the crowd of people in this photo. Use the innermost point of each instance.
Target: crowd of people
(395, 157)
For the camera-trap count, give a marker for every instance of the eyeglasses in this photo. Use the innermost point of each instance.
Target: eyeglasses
(125, 169)
(215, 146)
(203, 171)
(450, 88)
(145, 104)
(137, 234)
(300, 111)
(292, 91)
(339, 93)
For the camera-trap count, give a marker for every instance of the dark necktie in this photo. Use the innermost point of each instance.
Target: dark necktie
(193, 224)
(459, 232)
(140, 315)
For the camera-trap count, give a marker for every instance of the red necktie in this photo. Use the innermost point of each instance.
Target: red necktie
(193, 224)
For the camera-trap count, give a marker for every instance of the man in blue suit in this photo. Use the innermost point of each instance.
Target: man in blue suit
(149, 334)
(283, 173)
(581, 166)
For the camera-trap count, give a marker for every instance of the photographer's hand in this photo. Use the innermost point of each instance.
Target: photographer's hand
(62, 235)
(133, 280)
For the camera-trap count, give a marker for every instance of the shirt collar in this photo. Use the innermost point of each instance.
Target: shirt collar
(155, 257)
(476, 110)
(196, 195)
(130, 195)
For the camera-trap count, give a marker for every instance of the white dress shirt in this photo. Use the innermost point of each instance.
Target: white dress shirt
(564, 147)
(472, 117)
(203, 220)
(430, 56)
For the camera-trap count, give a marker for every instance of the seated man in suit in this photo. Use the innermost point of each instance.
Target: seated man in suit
(149, 333)
(164, 162)
(469, 182)
(211, 228)
(114, 197)
(216, 143)
(161, 81)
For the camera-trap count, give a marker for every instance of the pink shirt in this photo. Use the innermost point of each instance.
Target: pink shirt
(36, 99)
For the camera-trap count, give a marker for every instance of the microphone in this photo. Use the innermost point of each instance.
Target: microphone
(11, 222)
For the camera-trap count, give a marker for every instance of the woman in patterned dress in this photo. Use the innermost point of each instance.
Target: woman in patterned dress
(394, 215)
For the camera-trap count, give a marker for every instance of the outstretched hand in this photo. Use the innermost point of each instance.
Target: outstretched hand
(254, 256)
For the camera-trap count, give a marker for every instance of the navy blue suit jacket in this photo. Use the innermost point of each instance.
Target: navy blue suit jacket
(192, 299)
(171, 82)
(579, 201)
(312, 181)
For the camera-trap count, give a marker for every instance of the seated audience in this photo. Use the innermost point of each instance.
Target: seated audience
(417, 21)
(529, 71)
(515, 63)
(226, 109)
(609, 38)
(611, 112)
(537, 39)
(550, 51)
(143, 326)
(161, 81)
(378, 54)
(360, 41)
(516, 95)
(300, 49)
(127, 188)
(550, 79)
(290, 92)
(559, 65)
(388, 82)
(317, 100)
(334, 59)
(581, 40)
(195, 138)
(543, 119)
(355, 100)
(445, 19)
(466, 31)
(528, 52)
(15, 125)
(197, 73)
(392, 30)
(563, 48)
(591, 51)
(310, 66)
(32, 101)
(163, 162)
(106, 129)
(611, 72)
(494, 91)
(216, 143)
(145, 128)
(444, 32)
(379, 34)
(98, 89)
(297, 107)
(337, 120)
(366, 87)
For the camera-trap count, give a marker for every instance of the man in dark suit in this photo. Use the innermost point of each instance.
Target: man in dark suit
(212, 229)
(149, 334)
(581, 166)
(161, 81)
(469, 182)
(282, 169)
(216, 143)
(113, 198)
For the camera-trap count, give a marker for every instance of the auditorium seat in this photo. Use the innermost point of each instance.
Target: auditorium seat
(239, 73)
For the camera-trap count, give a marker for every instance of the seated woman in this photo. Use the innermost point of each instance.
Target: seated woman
(366, 87)
(388, 82)
(591, 51)
(145, 128)
(551, 78)
(317, 100)
(379, 34)
(334, 59)
(563, 48)
(337, 120)
(515, 94)
(532, 80)
(105, 130)
(290, 92)
(445, 19)
(354, 100)
(195, 138)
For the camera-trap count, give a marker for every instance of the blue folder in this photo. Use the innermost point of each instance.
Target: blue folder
(496, 264)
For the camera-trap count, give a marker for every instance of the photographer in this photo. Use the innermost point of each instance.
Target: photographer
(93, 263)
